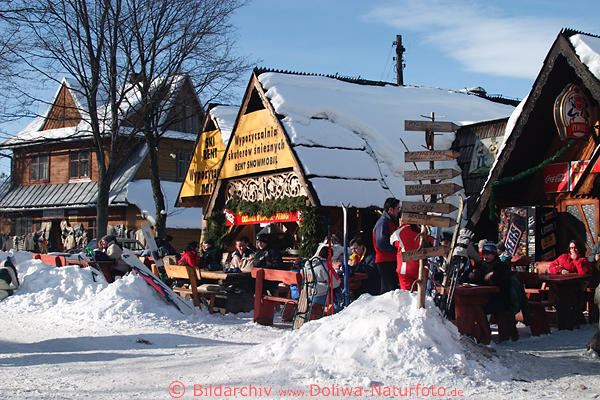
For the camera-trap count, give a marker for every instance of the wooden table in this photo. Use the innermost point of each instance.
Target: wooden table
(237, 279)
(470, 317)
(567, 290)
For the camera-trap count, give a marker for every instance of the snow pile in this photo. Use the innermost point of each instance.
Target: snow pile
(76, 293)
(382, 338)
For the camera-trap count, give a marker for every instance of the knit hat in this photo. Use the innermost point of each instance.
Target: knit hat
(262, 237)
(489, 248)
(108, 238)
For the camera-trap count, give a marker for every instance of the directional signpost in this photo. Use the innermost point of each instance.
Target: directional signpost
(431, 220)
(417, 212)
(417, 207)
(429, 174)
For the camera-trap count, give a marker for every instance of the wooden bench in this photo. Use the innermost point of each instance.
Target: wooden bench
(264, 305)
(192, 275)
(50, 259)
(537, 300)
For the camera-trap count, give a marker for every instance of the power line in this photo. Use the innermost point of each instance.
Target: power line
(387, 64)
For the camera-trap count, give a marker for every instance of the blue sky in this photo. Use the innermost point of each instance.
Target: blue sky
(498, 45)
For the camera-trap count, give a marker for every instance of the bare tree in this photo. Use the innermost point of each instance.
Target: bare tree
(167, 42)
(79, 39)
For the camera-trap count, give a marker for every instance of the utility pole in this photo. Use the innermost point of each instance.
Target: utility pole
(399, 61)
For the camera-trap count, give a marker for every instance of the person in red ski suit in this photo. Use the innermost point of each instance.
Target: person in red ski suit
(405, 238)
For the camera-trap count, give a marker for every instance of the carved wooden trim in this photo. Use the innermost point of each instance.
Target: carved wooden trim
(265, 187)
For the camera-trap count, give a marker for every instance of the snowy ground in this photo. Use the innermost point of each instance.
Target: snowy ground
(65, 336)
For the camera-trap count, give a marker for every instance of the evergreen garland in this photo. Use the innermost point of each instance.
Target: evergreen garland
(313, 226)
(217, 229)
(266, 208)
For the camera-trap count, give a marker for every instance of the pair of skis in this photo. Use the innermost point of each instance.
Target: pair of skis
(451, 269)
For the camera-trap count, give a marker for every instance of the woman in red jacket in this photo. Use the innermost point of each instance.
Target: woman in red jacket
(571, 262)
(190, 256)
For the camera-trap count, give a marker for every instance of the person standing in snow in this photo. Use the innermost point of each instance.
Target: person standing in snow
(385, 253)
(9, 279)
(406, 238)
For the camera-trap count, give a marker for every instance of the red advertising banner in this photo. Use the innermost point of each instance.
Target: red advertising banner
(556, 177)
(245, 219)
(577, 168)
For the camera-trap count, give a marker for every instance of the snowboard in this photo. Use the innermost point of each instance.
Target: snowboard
(168, 295)
(151, 245)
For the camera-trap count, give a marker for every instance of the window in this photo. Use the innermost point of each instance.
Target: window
(38, 171)
(183, 160)
(79, 164)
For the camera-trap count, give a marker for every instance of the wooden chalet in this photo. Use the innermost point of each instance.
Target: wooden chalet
(54, 169)
(543, 189)
(328, 140)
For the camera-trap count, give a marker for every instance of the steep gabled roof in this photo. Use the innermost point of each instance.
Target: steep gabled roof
(40, 130)
(581, 51)
(346, 135)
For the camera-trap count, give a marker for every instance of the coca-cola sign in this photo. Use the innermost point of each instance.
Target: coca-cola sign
(556, 177)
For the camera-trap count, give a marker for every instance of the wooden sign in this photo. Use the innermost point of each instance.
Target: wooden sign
(418, 207)
(423, 219)
(432, 155)
(434, 126)
(436, 188)
(430, 174)
(423, 253)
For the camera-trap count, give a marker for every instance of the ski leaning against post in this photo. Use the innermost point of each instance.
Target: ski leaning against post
(168, 295)
(451, 270)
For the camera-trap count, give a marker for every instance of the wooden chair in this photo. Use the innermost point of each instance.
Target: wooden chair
(264, 305)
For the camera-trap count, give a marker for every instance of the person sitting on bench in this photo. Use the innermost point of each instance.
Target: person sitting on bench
(189, 256)
(109, 250)
(492, 271)
(267, 256)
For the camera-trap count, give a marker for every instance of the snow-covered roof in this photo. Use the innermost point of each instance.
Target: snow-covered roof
(139, 192)
(32, 132)
(587, 49)
(347, 135)
(224, 118)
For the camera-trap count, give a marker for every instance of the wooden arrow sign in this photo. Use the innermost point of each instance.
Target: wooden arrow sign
(432, 155)
(434, 126)
(423, 219)
(430, 174)
(437, 188)
(417, 207)
(423, 253)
